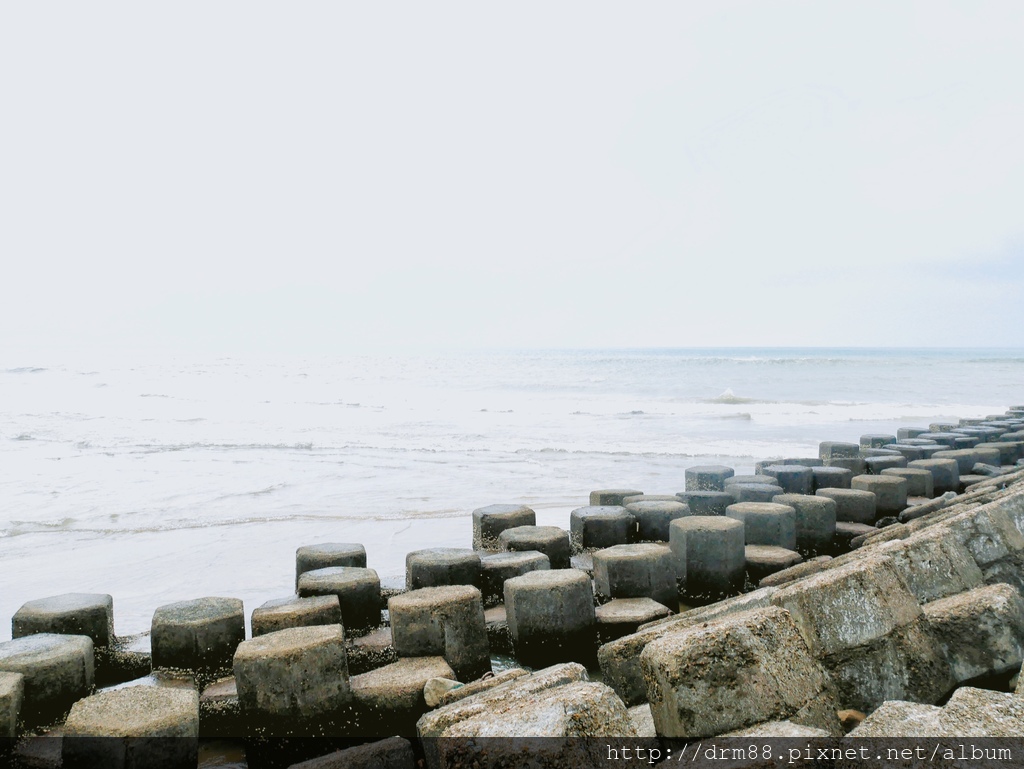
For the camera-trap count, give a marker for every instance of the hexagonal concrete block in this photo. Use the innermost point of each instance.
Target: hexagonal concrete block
(611, 496)
(549, 540)
(709, 554)
(57, 671)
(328, 555)
(498, 567)
(653, 518)
(600, 526)
(490, 521)
(89, 614)
(284, 613)
(440, 566)
(199, 635)
(551, 616)
(12, 693)
(707, 477)
(357, 590)
(815, 521)
(636, 571)
(852, 505)
(890, 492)
(766, 523)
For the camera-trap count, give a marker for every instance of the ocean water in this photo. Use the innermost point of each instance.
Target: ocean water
(164, 480)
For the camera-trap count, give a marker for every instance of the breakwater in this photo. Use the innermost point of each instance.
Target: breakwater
(879, 572)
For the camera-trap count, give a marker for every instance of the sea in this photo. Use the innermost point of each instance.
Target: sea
(158, 479)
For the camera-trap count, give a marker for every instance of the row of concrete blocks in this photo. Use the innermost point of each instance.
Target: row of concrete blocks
(905, 619)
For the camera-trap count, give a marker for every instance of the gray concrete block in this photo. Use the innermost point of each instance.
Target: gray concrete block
(440, 566)
(551, 616)
(603, 497)
(490, 521)
(965, 458)
(653, 518)
(763, 560)
(855, 465)
(390, 699)
(12, 693)
(357, 590)
(283, 613)
(828, 450)
(794, 479)
(198, 636)
(910, 432)
(852, 505)
(945, 473)
(57, 671)
(890, 492)
(328, 555)
(766, 523)
(920, 482)
(831, 478)
(496, 568)
(706, 502)
(742, 670)
(88, 614)
(622, 616)
(748, 479)
(709, 555)
(876, 465)
(754, 492)
(876, 440)
(707, 477)
(815, 521)
(139, 727)
(933, 565)
(298, 673)
(549, 540)
(635, 571)
(444, 621)
(600, 526)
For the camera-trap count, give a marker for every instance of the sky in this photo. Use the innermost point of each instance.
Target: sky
(317, 177)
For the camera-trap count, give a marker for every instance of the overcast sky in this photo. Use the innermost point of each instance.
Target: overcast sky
(319, 176)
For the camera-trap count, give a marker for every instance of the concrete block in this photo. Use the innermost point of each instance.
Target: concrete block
(635, 571)
(974, 712)
(933, 565)
(549, 540)
(707, 477)
(490, 521)
(357, 590)
(606, 497)
(391, 753)
(1006, 452)
(890, 492)
(709, 554)
(88, 614)
(390, 699)
(856, 465)
(551, 616)
(910, 432)
(876, 440)
(600, 526)
(199, 636)
(897, 718)
(440, 566)
(794, 479)
(482, 685)
(653, 518)
(852, 505)
(799, 571)
(831, 478)
(496, 568)
(980, 631)
(815, 521)
(632, 500)
(965, 458)
(920, 482)
(706, 502)
(298, 673)
(754, 492)
(220, 714)
(622, 616)
(328, 555)
(766, 523)
(909, 452)
(876, 465)
(847, 533)
(748, 479)
(283, 613)
(763, 560)
(620, 660)
(371, 651)
(12, 693)
(57, 671)
(742, 670)
(849, 606)
(828, 450)
(139, 727)
(447, 622)
(945, 473)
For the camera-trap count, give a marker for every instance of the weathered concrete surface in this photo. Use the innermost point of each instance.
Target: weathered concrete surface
(794, 479)
(447, 622)
(974, 712)
(754, 492)
(783, 729)
(920, 482)
(890, 492)
(598, 526)
(482, 685)
(799, 571)
(550, 540)
(282, 613)
(371, 651)
(435, 689)
(199, 635)
(863, 623)
(707, 477)
(299, 673)
(12, 693)
(992, 538)
(709, 554)
(132, 714)
(440, 566)
(852, 505)
(57, 671)
(635, 571)
(706, 502)
(390, 699)
(620, 660)
(742, 670)
(766, 523)
(328, 555)
(933, 566)
(220, 713)
(980, 631)
(551, 616)
(815, 521)
(653, 518)
(897, 718)
(831, 477)
(945, 473)
(88, 614)
(498, 567)
(392, 753)
(643, 721)
(763, 560)
(490, 521)
(611, 496)
(623, 616)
